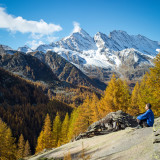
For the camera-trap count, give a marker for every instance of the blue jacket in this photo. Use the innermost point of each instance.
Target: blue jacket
(149, 116)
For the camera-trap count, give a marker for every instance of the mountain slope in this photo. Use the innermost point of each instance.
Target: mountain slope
(99, 56)
(102, 55)
(66, 71)
(23, 107)
(28, 67)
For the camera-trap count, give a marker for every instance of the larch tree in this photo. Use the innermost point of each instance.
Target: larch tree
(56, 130)
(134, 107)
(40, 142)
(45, 140)
(116, 97)
(72, 121)
(84, 118)
(27, 149)
(64, 130)
(95, 116)
(21, 144)
(7, 143)
(149, 88)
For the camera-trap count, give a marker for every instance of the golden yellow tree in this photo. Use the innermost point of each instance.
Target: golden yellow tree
(21, 144)
(40, 142)
(56, 130)
(134, 106)
(45, 140)
(27, 149)
(116, 97)
(95, 116)
(7, 143)
(72, 121)
(149, 88)
(64, 130)
(84, 118)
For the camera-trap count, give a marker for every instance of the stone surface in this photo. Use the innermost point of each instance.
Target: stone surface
(156, 139)
(157, 133)
(114, 121)
(127, 144)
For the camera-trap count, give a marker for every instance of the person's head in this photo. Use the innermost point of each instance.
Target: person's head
(148, 106)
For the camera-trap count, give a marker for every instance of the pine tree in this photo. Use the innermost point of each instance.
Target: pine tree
(45, 140)
(56, 130)
(21, 144)
(27, 150)
(64, 130)
(7, 143)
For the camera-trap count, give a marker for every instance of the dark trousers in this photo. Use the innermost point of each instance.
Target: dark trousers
(143, 123)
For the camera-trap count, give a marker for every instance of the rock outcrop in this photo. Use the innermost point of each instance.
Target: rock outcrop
(156, 139)
(114, 121)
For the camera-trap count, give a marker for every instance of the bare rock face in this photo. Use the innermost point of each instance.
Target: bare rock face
(114, 121)
(156, 139)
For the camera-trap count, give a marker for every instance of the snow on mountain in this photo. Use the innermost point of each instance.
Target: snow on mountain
(79, 41)
(6, 50)
(44, 47)
(102, 51)
(119, 40)
(6, 47)
(25, 49)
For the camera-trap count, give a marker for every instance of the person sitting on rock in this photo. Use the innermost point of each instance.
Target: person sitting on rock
(146, 119)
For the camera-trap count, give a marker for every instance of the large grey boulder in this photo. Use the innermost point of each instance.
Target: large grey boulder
(112, 122)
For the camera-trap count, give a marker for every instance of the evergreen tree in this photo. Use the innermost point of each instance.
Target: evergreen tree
(27, 150)
(56, 130)
(21, 144)
(64, 130)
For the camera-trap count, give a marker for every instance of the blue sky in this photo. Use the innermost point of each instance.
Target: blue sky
(35, 22)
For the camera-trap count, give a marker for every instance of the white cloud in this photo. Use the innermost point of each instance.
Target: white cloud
(15, 24)
(158, 50)
(34, 44)
(76, 27)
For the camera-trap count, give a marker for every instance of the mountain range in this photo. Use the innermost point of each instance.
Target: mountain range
(128, 56)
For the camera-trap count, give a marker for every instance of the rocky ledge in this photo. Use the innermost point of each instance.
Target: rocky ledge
(114, 121)
(127, 143)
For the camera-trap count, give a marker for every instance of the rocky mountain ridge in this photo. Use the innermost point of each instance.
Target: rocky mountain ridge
(129, 56)
(97, 56)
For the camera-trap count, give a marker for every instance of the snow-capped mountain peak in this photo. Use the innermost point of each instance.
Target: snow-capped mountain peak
(6, 47)
(79, 40)
(25, 49)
